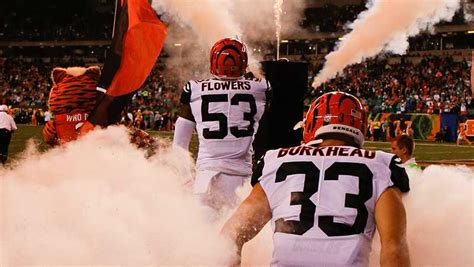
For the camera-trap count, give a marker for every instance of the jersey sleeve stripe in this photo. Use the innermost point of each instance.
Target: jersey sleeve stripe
(186, 94)
(398, 175)
(187, 87)
(257, 173)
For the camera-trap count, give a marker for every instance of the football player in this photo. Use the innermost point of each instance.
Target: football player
(225, 111)
(326, 197)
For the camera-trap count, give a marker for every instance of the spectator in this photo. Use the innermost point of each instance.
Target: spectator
(447, 134)
(439, 137)
(462, 134)
(7, 127)
(377, 129)
(386, 130)
(158, 121)
(47, 116)
(403, 146)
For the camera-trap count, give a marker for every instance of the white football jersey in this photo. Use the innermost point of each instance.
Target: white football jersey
(227, 114)
(323, 201)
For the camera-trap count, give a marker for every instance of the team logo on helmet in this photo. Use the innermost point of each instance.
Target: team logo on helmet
(228, 58)
(327, 118)
(335, 112)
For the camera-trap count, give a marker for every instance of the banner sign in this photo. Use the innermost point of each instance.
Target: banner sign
(420, 126)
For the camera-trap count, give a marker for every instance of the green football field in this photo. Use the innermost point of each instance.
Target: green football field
(424, 151)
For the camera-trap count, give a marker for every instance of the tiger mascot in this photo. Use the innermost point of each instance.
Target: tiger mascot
(71, 99)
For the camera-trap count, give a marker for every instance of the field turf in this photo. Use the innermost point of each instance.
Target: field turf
(424, 152)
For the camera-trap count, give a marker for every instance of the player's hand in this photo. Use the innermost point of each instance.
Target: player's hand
(143, 140)
(85, 128)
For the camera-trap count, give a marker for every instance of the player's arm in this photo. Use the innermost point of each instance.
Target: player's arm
(185, 112)
(268, 96)
(183, 127)
(248, 219)
(390, 218)
(185, 123)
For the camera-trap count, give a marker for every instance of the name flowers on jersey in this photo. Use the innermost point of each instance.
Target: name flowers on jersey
(226, 85)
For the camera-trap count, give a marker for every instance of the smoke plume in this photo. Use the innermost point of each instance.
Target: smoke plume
(385, 26)
(98, 201)
(440, 214)
(197, 25)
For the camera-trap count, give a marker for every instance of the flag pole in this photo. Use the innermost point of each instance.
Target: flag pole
(113, 26)
(115, 18)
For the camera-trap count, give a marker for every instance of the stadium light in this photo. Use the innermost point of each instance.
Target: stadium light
(470, 32)
(177, 44)
(284, 41)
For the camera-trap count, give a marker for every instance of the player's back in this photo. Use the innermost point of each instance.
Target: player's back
(227, 114)
(323, 202)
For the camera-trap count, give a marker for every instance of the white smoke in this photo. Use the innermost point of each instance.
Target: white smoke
(468, 8)
(197, 25)
(439, 217)
(98, 201)
(211, 19)
(385, 26)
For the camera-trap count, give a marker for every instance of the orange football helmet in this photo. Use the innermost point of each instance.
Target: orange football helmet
(335, 112)
(228, 59)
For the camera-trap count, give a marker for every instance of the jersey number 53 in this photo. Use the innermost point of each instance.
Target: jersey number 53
(222, 119)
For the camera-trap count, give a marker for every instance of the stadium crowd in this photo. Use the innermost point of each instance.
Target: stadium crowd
(25, 86)
(435, 85)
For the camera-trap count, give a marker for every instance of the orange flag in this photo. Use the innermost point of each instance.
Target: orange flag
(139, 35)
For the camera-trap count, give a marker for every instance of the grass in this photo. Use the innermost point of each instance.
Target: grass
(425, 151)
(21, 137)
(431, 151)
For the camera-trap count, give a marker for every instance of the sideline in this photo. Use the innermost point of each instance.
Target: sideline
(424, 144)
